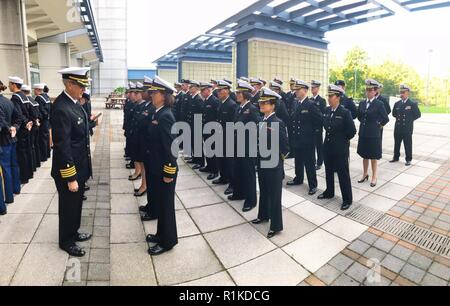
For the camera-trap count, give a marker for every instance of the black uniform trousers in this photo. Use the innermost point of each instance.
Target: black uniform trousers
(340, 165)
(164, 199)
(271, 186)
(24, 155)
(318, 143)
(304, 159)
(211, 162)
(244, 181)
(44, 140)
(406, 138)
(35, 145)
(152, 193)
(225, 168)
(70, 206)
(196, 157)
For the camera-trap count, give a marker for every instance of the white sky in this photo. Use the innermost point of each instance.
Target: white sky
(158, 27)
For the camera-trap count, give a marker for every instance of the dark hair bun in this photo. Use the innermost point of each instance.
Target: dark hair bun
(2, 87)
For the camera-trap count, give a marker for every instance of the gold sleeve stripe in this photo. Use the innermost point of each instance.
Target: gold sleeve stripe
(67, 170)
(170, 168)
(170, 171)
(67, 175)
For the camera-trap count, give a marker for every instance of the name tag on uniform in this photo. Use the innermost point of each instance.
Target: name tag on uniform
(408, 108)
(155, 122)
(209, 106)
(247, 112)
(80, 121)
(305, 112)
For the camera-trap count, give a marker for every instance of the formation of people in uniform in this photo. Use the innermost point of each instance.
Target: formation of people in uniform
(312, 130)
(25, 140)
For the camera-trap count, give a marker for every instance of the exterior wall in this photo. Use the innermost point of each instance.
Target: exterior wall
(205, 71)
(269, 59)
(111, 20)
(53, 57)
(13, 41)
(170, 75)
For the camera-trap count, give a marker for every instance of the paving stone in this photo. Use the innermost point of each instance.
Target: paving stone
(191, 259)
(431, 281)
(412, 273)
(219, 279)
(345, 228)
(201, 197)
(98, 272)
(99, 256)
(359, 247)
(345, 280)
(10, 257)
(273, 269)
(381, 282)
(123, 204)
(384, 245)
(328, 274)
(440, 270)
(215, 217)
(393, 263)
(420, 261)
(231, 245)
(341, 262)
(401, 252)
(374, 253)
(100, 242)
(131, 265)
(30, 204)
(314, 250)
(368, 238)
(313, 213)
(48, 230)
(357, 272)
(18, 228)
(378, 202)
(126, 229)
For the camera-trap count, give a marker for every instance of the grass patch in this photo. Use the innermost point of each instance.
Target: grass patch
(434, 109)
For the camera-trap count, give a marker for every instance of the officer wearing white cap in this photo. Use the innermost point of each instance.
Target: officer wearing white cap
(127, 115)
(405, 112)
(210, 114)
(178, 106)
(244, 174)
(257, 84)
(347, 102)
(24, 152)
(195, 108)
(227, 111)
(271, 179)
(305, 119)
(9, 168)
(44, 130)
(72, 165)
(372, 115)
(280, 107)
(35, 117)
(340, 129)
(290, 106)
(318, 139)
(162, 167)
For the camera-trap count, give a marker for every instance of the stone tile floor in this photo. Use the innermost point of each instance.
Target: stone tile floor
(218, 246)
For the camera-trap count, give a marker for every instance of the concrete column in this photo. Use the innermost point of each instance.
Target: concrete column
(13, 40)
(52, 58)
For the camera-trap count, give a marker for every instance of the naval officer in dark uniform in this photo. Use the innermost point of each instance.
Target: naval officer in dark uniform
(373, 117)
(347, 102)
(280, 107)
(244, 173)
(340, 129)
(405, 112)
(162, 166)
(44, 130)
(271, 179)
(305, 119)
(72, 165)
(318, 139)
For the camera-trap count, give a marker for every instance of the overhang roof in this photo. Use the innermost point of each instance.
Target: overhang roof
(421, 5)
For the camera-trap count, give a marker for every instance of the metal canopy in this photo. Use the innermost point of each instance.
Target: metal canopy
(87, 16)
(308, 17)
(421, 5)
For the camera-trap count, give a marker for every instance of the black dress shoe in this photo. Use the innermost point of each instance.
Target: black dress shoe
(74, 251)
(247, 209)
(84, 198)
(346, 206)
(204, 170)
(365, 179)
(196, 167)
(87, 188)
(272, 234)
(130, 166)
(408, 164)
(212, 177)
(140, 194)
(132, 178)
(147, 218)
(235, 198)
(323, 196)
(191, 162)
(152, 239)
(143, 209)
(294, 183)
(312, 191)
(259, 221)
(157, 250)
(229, 191)
(4, 212)
(394, 161)
(220, 181)
(83, 237)
(186, 159)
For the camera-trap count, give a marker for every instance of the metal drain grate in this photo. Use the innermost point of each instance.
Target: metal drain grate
(365, 215)
(416, 235)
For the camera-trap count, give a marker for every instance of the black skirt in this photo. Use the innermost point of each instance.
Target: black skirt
(370, 148)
